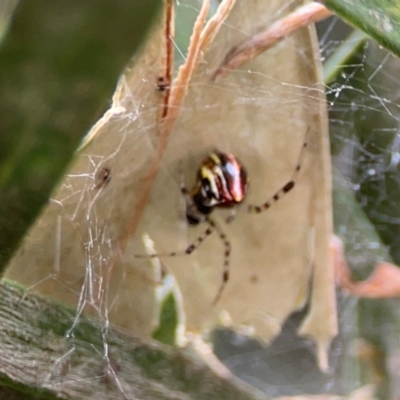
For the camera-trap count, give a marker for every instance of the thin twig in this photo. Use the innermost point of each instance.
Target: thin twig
(214, 24)
(178, 92)
(250, 49)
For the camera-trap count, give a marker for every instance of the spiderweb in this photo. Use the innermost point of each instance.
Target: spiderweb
(90, 207)
(364, 116)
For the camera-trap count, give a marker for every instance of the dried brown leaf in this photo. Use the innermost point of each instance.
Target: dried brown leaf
(260, 113)
(74, 266)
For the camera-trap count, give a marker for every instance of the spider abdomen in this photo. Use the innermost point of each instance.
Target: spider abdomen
(222, 181)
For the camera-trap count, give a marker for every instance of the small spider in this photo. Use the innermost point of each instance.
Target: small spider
(162, 83)
(103, 177)
(222, 181)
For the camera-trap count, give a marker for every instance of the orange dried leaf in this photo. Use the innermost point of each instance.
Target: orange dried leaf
(384, 282)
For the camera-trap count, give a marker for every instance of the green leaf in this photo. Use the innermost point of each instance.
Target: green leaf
(342, 55)
(59, 67)
(166, 331)
(380, 19)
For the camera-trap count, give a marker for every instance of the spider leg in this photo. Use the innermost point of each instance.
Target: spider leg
(193, 246)
(189, 250)
(227, 253)
(285, 189)
(182, 185)
(192, 214)
(195, 217)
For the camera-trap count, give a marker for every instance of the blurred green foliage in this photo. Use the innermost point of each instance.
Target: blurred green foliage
(380, 19)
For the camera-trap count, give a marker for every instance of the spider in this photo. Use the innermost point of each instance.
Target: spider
(162, 83)
(222, 181)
